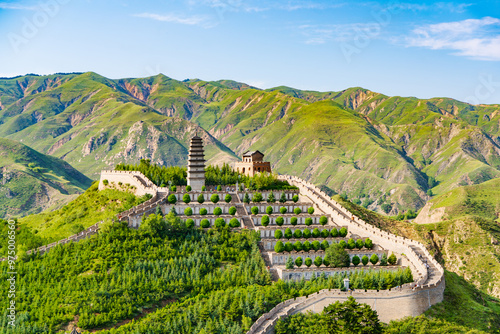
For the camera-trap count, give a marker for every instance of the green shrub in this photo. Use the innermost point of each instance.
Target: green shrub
(368, 243)
(186, 198)
(264, 221)
(288, 246)
(228, 198)
(308, 262)
(283, 210)
(356, 201)
(269, 210)
(310, 210)
(374, 259)
(278, 234)
(217, 211)
(364, 260)
(232, 211)
(173, 188)
(316, 233)
(326, 262)
(189, 223)
(214, 198)
(234, 222)
(279, 247)
(298, 261)
(257, 198)
(297, 211)
(297, 234)
(360, 243)
(246, 198)
(293, 221)
(306, 234)
(307, 246)
(172, 199)
(201, 199)
(283, 197)
(309, 221)
(188, 211)
(318, 261)
(334, 232)
(288, 233)
(297, 246)
(203, 211)
(105, 182)
(324, 245)
(323, 220)
(280, 221)
(219, 188)
(220, 222)
(383, 260)
(325, 233)
(205, 223)
(337, 256)
(289, 263)
(343, 244)
(295, 198)
(355, 260)
(254, 210)
(392, 259)
(343, 232)
(386, 208)
(188, 188)
(351, 244)
(270, 198)
(203, 188)
(316, 245)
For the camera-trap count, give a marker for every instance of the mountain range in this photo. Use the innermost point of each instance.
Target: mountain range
(394, 153)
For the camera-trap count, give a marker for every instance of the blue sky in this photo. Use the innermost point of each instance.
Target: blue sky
(423, 49)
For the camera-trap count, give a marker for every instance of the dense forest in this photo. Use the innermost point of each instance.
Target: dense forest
(212, 281)
(214, 175)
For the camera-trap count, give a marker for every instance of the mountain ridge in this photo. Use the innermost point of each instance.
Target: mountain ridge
(430, 145)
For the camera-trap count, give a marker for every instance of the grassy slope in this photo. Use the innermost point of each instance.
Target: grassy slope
(32, 181)
(94, 122)
(464, 248)
(86, 210)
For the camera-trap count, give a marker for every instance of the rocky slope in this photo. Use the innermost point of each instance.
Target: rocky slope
(31, 182)
(386, 151)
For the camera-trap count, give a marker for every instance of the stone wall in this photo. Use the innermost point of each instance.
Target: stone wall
(390, 305)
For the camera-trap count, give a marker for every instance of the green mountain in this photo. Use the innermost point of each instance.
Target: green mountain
(395, 152)
(31, 182)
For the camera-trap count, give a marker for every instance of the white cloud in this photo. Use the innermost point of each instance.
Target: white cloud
(189, 20)
(16, 6)
(475, 38)
(446, 6)
(321, 34)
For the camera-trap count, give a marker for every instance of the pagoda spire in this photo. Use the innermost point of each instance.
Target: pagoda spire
(196, 164)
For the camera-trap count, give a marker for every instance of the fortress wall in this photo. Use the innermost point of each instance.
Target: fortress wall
(131, 177)
(357, 226)
(390, 305)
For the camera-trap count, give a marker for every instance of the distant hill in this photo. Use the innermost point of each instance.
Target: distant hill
(31, 182)
(380, 151)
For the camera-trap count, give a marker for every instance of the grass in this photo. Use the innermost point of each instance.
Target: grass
(86, 210)
(33, 181)
(356, 141)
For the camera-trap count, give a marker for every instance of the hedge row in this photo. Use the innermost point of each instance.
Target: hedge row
(217, 211)
(283, 210)
(219, 222)
(172, 199)
(257, 198)
(318, 261)
(316, 245)
(316, 233)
